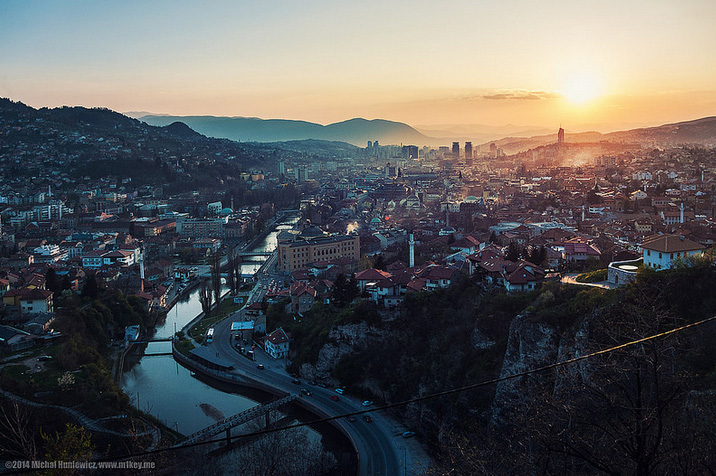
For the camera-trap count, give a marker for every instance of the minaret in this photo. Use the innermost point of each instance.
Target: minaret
(141, 269)
(582, 212)
(681, 218)
(412, 249)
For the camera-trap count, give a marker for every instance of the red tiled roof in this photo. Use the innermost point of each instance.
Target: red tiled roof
(372, 274)
(27, 294)
(670, 244)
(417, 284)
(278, 336)
(571, 248)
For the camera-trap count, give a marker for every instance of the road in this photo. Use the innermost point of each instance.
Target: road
(377, 442)
(571, 278)
(380, 446)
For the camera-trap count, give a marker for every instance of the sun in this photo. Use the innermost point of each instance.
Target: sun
(582, 87)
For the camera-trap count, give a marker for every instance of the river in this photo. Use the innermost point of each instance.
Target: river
(168, 391)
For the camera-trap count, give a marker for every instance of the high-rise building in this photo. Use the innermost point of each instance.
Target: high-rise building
(456, 149)
(560, 136)
(468, 150)
(493, 149)
(409, 152)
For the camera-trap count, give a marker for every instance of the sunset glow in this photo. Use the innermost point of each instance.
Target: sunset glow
(581, 88)
(448, 63)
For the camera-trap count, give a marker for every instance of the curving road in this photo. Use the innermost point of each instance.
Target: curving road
(381, 449)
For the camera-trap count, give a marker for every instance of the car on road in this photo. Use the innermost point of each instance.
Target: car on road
(351, 419)
(339, 391)
(260, 366)
(335, 398)
(367, 403)
(306, 392)
(368, 418)
(296, 381)
(408, 434)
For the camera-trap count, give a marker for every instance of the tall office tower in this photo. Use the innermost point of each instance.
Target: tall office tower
(456, 149)
(560, 136)
(409, 152)
(493, 149)
(468, 150)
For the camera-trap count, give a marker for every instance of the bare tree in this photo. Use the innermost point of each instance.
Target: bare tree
(282, 452)
(205, 296)
(18, 430)
(216, 276)
(234, 271)
(290, 451)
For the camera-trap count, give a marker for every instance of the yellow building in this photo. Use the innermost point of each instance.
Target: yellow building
(313, 245)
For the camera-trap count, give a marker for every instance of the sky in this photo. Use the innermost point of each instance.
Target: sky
(585, 65)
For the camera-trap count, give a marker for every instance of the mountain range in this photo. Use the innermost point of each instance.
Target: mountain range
(251, 129)
(699, 131)
(359, 131)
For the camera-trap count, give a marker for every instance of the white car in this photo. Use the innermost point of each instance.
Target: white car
(367, 403)
(339, 391)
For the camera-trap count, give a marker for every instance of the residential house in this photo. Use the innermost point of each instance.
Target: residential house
(525, 276)
(439, 276)
(276, 343)
(13, 340)
(371, 275)
(663, 251)
(302, 297)
(30, 300)
(577, 250)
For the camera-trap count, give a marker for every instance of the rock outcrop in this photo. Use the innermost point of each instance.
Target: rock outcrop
(342, 340)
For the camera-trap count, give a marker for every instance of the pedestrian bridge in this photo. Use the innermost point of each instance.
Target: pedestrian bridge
(240, 418)
(255, 253)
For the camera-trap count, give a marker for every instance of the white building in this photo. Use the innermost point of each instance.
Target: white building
(214, 208)
(661, 252)
(276, 344)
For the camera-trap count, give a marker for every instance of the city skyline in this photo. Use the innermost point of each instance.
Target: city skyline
(585, 65)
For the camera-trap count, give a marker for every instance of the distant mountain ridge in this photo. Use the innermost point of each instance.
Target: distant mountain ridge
(698, 131)
(359, 131)
(355, 131)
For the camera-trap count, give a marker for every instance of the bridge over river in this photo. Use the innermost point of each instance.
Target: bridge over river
(240, 418)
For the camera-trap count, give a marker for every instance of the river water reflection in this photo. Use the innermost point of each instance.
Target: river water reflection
(168, 391)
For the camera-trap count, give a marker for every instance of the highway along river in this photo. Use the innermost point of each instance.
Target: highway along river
(158, 385)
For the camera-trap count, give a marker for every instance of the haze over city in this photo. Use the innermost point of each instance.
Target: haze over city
(602, 65)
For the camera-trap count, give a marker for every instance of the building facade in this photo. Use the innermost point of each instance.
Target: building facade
(313, 245)
(661, 252)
